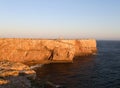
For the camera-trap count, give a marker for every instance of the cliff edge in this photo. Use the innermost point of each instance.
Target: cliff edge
(44, 51)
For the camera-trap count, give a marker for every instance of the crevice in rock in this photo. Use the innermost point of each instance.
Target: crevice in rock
(51, 56)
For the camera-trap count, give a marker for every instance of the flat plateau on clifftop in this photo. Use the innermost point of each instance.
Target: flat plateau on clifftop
(45, 51)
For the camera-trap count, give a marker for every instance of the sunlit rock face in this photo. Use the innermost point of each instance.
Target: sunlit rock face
(20, 50)
(25, 50)
(59, 50)
(63, 54)
(85, 47)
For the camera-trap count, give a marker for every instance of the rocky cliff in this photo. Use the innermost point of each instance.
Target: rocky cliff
(44, 51)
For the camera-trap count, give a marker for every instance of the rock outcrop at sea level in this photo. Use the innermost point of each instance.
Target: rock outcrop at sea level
(15, 75)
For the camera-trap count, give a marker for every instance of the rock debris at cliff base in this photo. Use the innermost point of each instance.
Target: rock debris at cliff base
(15, 75)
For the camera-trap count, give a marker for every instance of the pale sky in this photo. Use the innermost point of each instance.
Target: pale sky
(99, 19)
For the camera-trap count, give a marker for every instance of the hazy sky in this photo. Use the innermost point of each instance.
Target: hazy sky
(99, 19)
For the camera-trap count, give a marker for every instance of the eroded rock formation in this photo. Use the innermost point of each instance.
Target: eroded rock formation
(15, 75)
(43, 51)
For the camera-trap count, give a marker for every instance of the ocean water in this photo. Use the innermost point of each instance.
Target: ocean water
(100, 71)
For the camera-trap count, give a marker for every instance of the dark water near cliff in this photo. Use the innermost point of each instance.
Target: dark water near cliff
(100, 71)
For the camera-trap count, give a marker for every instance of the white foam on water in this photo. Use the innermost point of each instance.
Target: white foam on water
(36, 66)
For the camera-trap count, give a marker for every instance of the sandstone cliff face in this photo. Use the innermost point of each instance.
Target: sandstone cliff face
(83, 47)
(20, 50)
(24, 50)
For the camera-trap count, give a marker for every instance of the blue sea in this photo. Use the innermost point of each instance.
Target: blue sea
(99, 71)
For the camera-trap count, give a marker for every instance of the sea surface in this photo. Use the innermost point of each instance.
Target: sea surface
(100, 71)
